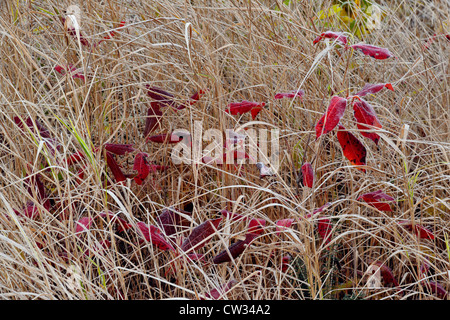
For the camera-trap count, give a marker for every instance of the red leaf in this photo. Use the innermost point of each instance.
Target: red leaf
(43, 131)
(83, 224)
(119, 149)
(235, 249)
(115, 168)
(122, 225)
(110, 34)
(339, 36)
(324, 228)
(165, 138)
(75, 158)
(352, 148)
(30, 211)
(170, 219)
(316, 211)
(153, 234)
(332, 116)
(192, 100)
(198, 237)
(256, 226)
(365, 114)
(73, 71)
(373, 88)
(141, 166)
(308, 175)
(373, 51)
(164, 98)
(217, 293)
(373, 198)
(153, 117)
(291, 94)
(284, 223)
(419, 230)
(254, 108)
(34, 183)
(285, 262)
(437, 289)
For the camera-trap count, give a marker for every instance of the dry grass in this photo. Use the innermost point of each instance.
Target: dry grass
(238, 50)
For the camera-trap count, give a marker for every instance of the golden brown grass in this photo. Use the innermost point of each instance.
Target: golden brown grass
(239, 50)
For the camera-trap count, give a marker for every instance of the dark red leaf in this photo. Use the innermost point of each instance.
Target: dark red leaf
(373, 198)
(83, 224)
(236, 108)
(153, 117)
(170, 219)
(373, 88)
(217, 293)
(285, 262)
(164, 98)
(115, 168)
(291, 94)
(235, 249)
(437, 289)
(339, 36)
(153, 234)
(165, 138)
(73, 71)
(365, 114)
(75, 158)
(142, 167)
(352, 148)
(122, 225)
(283, 223)
(308, 175)
(419, 230)
(373, 51)
(43, 131)
(119, 149)
(324, 229)
(332, 116)
(34, 183)
(256, 226)
(199, 236)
